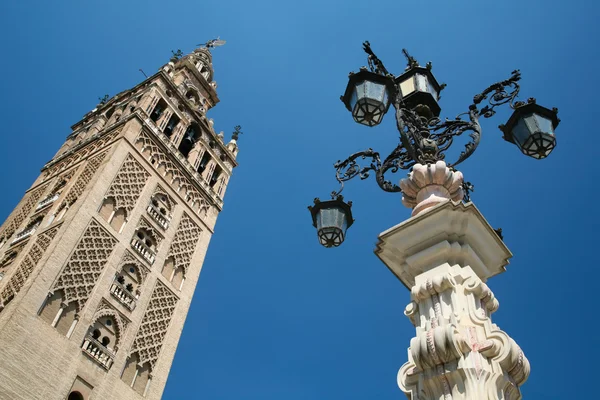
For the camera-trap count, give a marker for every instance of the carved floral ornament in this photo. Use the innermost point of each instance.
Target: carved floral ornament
(458, 353)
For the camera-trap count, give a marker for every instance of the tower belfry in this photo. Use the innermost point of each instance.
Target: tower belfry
(100, 259)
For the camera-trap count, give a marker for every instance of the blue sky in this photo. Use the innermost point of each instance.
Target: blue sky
(275, 316)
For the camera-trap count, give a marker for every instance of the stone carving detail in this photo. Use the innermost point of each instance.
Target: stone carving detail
(21, 212)
(84, 178)
(155, 324)
(105, 309)
(79, 276)
(28, 263)
(128, 184)
(79, 153)
(184, 242)
(180, 183)
(428, 185)
(128, 258)
(458, 353)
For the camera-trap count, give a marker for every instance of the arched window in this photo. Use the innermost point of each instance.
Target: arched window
(145, 243)
(116, 217)
(173, 121)
(135, 375)
(203, 162)
(174, 275)
(190, 137)
(215, 176)
(160, 209)
(59, 314)
(158, 111)
(126, 287)
(75, 396)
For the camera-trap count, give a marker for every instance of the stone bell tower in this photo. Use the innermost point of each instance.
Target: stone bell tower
(100, 259)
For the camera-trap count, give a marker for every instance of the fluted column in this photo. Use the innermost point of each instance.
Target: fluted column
(444, 254)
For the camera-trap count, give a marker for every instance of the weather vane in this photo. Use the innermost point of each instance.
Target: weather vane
(212, 43)
(237, 131)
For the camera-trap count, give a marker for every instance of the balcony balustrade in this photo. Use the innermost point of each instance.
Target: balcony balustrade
(123, 295)
(158, 217)
(24, 234)
(146, 252)
(47, 201)
(97, 352)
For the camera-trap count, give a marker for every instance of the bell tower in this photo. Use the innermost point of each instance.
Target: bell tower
(100, 259)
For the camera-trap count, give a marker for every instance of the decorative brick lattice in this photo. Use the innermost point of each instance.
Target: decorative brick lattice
(21, 212)
(181, 184)
(28, 263)
(85, 265)
(128, 184)
(83, 179)
(184, 243)
(81, 153)
(155, 324)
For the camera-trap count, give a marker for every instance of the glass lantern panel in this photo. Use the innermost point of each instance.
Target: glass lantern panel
(407, 87)
(544, 124)
(520, 132)
(421, 82)
(531, 123)
(353, 99)
(375, 91)
(332, 217)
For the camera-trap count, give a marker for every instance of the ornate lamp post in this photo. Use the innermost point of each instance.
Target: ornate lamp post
(446, 251)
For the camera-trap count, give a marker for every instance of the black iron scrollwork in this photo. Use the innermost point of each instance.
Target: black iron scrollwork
(423, 138)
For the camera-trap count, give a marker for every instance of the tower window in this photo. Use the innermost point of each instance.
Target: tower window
(75, 396)
(215, 176)
(173, 121)
(191, 136)
(159, 109)
(203, 162)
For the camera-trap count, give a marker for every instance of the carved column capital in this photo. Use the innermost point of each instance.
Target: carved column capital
(430, 184)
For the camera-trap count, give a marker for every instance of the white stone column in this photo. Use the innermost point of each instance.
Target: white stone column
(444, 254)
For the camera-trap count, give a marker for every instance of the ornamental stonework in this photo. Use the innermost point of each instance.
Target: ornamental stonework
(128, 184)
(81, 153)
(84, 178)
(20, 214)
(81, 273)
(26, 266)
(184, 243)
(155, 324)
(176, 178)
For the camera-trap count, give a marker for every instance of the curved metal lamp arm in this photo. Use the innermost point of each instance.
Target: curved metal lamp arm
(443, 133)
(424, 139)
(350, 168)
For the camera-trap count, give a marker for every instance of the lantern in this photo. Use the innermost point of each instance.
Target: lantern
(419, 87)
(531, 127)
(331, 218)
(368, 96)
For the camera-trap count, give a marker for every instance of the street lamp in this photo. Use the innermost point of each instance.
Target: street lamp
(331, 218)
(446, 252)
(424, 137)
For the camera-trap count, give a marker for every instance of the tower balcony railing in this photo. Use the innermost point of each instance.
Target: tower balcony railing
(24, 234)
(123, 295)
(47, 201)
(184, 161)
(158, 217)
(97, 352)
(146, 252)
